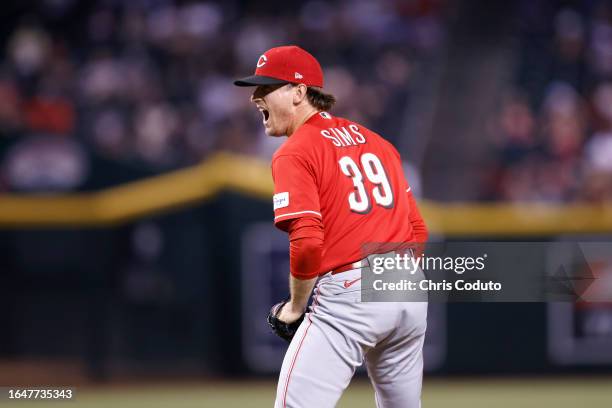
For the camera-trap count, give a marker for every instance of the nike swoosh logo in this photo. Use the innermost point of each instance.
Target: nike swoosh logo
(347, 284)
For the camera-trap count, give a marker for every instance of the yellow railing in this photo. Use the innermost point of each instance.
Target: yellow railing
(252, 177)
(140, 198)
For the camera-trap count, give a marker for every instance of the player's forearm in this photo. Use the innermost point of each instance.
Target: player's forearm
(305, 264)
(306, 253)
(306, 247)
(300, 290)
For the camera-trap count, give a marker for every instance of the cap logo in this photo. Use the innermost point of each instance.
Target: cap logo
(262, 61)
(298, 75)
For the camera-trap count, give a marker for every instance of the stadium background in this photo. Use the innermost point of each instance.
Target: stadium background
(136, 253)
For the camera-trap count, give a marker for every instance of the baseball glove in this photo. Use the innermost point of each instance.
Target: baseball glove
(285, 331)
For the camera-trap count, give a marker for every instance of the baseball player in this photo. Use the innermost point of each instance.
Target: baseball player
(338, 186)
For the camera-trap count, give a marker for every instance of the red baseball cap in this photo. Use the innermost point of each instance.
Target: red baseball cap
(285, 64)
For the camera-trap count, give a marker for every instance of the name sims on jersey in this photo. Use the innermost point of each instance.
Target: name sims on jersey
(343, 137)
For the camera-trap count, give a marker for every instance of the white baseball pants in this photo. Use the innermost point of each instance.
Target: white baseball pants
(339, 334)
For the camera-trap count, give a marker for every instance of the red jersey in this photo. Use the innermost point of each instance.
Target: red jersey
(349, 177)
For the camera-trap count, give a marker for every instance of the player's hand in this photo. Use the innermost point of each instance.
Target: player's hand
(284, 329)
(288, 313)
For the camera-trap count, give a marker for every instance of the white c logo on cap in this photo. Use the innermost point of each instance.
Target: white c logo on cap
(262, 61)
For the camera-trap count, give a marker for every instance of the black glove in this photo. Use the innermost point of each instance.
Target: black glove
(285, 331)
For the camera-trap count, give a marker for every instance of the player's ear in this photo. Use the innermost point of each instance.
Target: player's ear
(299, 93)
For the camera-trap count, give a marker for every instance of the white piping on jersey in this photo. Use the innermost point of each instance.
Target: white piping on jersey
(408, 189)
(296, 213)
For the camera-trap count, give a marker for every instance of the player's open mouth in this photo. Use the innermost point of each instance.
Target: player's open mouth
(266, 114)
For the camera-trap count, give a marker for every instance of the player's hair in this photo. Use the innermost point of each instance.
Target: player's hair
(319, 99)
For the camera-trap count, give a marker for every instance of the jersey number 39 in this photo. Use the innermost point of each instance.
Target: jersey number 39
(359, 200)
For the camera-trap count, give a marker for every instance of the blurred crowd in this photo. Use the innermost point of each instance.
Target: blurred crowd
(553, 132)
(97, 93)
(93, 94)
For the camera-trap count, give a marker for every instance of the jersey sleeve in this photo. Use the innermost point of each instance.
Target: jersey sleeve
(416, 220)
(295, 190)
